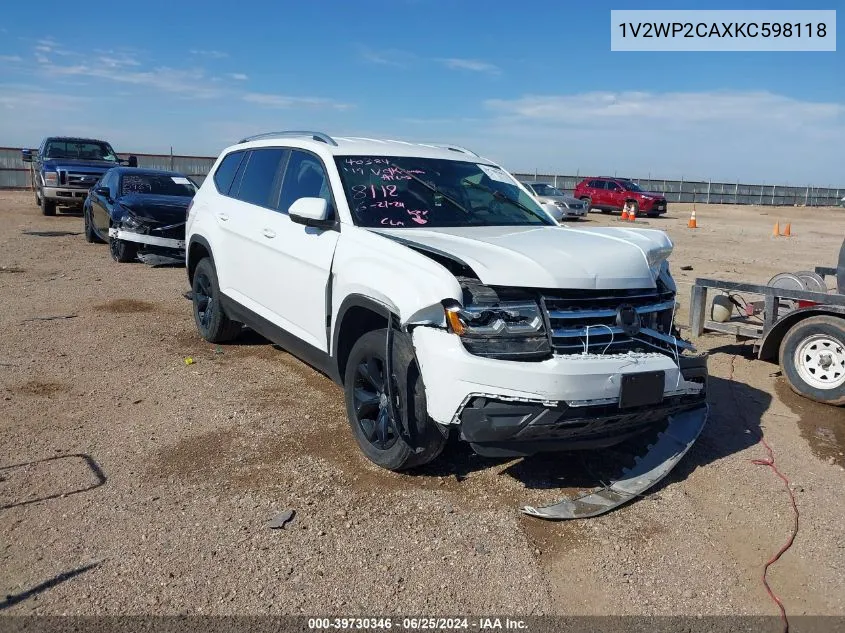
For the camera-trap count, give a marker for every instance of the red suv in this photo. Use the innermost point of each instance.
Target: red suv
(611, 194)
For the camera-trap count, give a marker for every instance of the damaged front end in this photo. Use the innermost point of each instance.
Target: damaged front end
(528, 371)
(153, 234)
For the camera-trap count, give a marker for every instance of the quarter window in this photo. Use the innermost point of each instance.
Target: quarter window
(225, 173)
(260, 176)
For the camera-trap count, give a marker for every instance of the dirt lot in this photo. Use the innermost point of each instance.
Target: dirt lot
(133, 482)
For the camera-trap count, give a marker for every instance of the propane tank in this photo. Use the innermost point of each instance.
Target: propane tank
(721, 309)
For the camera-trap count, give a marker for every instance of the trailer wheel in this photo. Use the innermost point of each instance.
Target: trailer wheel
(812, 357)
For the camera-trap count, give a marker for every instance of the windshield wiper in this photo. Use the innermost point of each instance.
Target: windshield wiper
(431, 188)
(498, 194)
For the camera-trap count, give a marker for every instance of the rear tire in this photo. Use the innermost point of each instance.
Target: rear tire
(212, 322)
(368, 413)
(812, 357)
(635, 206)
(587, 202)
(90, 235)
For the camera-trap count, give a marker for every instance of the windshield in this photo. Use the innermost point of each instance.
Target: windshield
(543, 189)
(407, 192)
(630, 186)
(156, 184)
(83, 150)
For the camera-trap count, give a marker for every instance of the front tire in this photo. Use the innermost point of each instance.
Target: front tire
(212, 322)
(368, 411)
(812, 357)
(122, 251)
(48, 207)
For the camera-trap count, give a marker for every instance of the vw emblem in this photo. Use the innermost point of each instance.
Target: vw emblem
(628, 319)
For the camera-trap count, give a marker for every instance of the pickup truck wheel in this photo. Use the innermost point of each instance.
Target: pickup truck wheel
(812, 357)
(368, 411)
(212, 322)
(48, 207)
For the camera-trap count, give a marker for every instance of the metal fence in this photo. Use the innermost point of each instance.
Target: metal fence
(14, 174)
(705, 191)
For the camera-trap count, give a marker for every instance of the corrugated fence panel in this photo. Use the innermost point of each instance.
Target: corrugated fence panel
(14, 173)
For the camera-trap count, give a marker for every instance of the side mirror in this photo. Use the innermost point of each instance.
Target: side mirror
(311, 212)
(103, 191)
(26, 155)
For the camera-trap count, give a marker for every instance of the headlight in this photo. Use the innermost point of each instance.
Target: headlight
(130, 221)
(51, 179)
(561, 204)
(508, 330)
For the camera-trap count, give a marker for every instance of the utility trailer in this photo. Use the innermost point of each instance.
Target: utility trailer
(799, 323)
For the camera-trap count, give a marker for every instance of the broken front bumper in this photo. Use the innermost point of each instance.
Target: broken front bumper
(149, 240)
(566, 402)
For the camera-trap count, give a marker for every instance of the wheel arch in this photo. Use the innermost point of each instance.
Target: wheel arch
(357, 315)
(770, 345)
(198, 248)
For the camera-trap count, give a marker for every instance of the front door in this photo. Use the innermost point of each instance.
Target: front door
(296, 260)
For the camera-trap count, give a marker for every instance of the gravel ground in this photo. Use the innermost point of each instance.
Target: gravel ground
(142, 484)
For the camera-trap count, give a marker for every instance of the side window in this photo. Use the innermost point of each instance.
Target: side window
(305, 177)
(225, 173)
(260, 176)
(614, 186)
(597, 184)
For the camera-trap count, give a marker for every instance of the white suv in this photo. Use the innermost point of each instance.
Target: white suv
(430, 284)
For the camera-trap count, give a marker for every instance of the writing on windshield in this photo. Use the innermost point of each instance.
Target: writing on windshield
(405, 192)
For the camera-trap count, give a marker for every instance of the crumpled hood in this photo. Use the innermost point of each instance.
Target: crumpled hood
(156, 209)
(548, 256)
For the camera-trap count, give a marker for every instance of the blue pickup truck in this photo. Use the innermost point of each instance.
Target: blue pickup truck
(63, 169)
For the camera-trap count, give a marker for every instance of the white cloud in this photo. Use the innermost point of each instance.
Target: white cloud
(286, 101)
(723, 135)
(387, 57)
(473, 65)
(11, 59)
(238, 76)
(210, 54)
(117, 61)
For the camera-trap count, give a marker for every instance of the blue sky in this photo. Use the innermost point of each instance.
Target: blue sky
(531, 85)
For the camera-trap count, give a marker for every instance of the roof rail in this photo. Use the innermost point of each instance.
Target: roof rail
(317, 136)
(454, 148)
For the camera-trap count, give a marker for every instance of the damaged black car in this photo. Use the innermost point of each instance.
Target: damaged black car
(139, 212)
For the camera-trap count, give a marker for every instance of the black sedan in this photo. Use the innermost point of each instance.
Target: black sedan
(139, 210)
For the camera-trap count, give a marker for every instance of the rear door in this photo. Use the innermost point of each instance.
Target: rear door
(240, 218)
(296, 260)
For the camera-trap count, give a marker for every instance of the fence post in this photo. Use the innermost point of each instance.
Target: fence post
(171, 158)
(681, 190)
(708, 190)
(736, 193)
(807, 196)
(773, 195)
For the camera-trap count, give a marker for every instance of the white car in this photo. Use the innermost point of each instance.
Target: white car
(555, 202)
(428, 283)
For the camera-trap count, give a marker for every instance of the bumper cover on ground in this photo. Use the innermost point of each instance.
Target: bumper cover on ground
(671, 445)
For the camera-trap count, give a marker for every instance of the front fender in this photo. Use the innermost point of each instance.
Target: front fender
(770, 344)
(410, 284)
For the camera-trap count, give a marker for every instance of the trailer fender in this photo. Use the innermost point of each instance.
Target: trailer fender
(770, 344)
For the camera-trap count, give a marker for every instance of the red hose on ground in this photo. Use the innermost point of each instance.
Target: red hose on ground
(770, 462)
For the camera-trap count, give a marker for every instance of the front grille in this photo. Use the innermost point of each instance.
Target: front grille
(83, 180)
(586, 321)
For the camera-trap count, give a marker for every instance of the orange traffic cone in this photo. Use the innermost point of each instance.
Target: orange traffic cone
(787, 230)
(625, 213)
(692, 223)
(632, 215)
(776, 230)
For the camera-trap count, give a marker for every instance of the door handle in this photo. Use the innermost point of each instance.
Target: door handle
(268, 233)
(222, 216)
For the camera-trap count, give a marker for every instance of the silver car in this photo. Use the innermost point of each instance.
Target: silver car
(555, 202)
